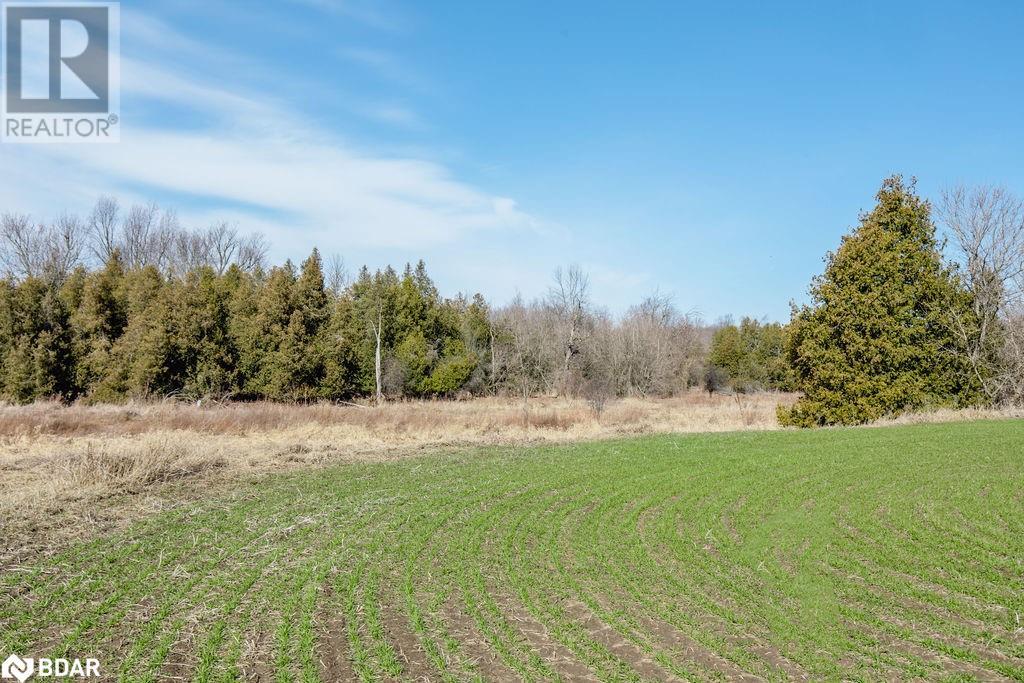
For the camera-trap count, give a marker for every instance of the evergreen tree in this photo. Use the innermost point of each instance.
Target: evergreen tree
(753, 355)
(35, 329)
(375, 327)
(341, 358)
(134, 364)
(727, 353)
(118, 333)
(98, 321)
(144, 360)
(244, 295)
(455, 358)
(877, 339)
(300, 357)
(267, 373)
(202, 333)
(311, 295)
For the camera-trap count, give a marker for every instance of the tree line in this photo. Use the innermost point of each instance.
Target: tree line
(121, 331)
(129, 304)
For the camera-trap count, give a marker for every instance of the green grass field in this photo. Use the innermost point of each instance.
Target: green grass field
(857, 553)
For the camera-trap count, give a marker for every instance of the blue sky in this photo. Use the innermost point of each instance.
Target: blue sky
(712, 151)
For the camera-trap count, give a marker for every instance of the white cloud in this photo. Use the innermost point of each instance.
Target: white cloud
(256, 163)
(254, 153)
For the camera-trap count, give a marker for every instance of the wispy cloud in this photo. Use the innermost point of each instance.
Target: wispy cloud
(388, 66)
(373, 13)
(257, 154)
(249, 159)
(394, 114)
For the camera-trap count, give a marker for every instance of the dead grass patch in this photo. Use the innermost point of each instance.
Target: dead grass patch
(57, 462)
(154, 461)
(690, 412)
(942, 415)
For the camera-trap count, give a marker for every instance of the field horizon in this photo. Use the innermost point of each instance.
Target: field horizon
(828, 554)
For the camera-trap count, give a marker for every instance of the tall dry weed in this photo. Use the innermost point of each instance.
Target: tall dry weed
(143, 463)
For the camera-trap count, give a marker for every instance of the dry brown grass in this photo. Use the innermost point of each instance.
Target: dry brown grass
(950, 415)
(63, 468)
(152, 462)
(51, 450)
(56, 460)
(692, 412)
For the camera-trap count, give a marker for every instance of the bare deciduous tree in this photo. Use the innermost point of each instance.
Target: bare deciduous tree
(569, 300)
(986, 228)
(337, 274)
(65, 244)
(104, 226)
(21, 245)
(149, 236)
(189, 250)
(252, 253)
(223, 243)
(659, 347)
(217, 248)
(377, 328)
(29, 249)
(652, 350)
(518, 350)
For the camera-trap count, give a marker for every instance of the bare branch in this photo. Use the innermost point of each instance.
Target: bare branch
(21, 243)
(103, 225)
(986, 230)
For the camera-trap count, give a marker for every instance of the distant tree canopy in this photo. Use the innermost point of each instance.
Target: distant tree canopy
(879, 337)
(130, 304)
(115, 333)
(123, 305)
(752, 356)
